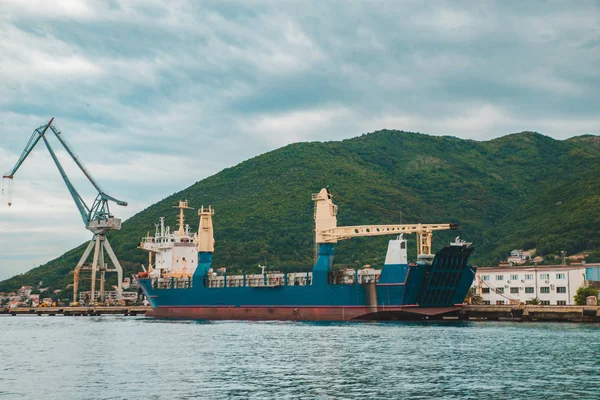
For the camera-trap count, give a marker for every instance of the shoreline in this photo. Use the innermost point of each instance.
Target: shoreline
(514, 313)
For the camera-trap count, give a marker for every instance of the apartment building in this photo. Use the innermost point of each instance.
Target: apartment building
(551, 284)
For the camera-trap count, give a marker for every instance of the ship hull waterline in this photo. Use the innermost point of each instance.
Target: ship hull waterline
(304, 313)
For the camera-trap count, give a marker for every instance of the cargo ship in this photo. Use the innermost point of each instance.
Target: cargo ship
(181, 283)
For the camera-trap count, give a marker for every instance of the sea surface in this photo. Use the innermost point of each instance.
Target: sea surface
(112, 357)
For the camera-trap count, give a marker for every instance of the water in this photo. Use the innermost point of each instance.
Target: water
(139, 358)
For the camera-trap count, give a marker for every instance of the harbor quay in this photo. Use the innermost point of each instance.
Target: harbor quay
(76, 311)
(520, 313)
(530, 313)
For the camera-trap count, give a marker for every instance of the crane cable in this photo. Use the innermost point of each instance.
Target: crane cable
(7, 191)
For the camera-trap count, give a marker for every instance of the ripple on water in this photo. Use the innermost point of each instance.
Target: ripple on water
(138, 358)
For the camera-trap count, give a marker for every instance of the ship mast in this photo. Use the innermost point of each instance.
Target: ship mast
(182, 206)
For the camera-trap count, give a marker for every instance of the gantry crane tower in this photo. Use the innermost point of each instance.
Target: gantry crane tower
(96, 218)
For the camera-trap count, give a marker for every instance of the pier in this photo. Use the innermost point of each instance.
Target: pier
(526, 313)
(518, 313)
(77, 311)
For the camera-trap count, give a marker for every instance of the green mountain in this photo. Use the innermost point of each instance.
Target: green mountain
(523, 190)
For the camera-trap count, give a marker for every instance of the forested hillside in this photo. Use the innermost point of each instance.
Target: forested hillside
(523, 190)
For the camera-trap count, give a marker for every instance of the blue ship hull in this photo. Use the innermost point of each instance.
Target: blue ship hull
(402, 290)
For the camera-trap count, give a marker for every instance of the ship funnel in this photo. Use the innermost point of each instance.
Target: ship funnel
(206, 240)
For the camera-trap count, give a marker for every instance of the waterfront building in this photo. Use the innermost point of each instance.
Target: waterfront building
(35, 299)
(551, 284)
(110, 296)
(520, 256)
(24, 291)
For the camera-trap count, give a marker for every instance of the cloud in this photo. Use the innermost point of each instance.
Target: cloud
(295, 126)
(176, 91)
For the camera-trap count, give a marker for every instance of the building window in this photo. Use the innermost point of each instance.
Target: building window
(544, 276)
(485, 290)
(561, 303)
(528, 290)
(528, 277)
(561, 289)
(486, 303)
(485, 277)
(545, 289)
(500, 290)
(545, 302)
(514, 277)
(499, 277)
(560, 276)
(499, 302)
(514, 290)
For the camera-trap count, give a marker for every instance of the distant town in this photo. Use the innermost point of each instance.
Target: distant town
(28, 296)
(530, 257)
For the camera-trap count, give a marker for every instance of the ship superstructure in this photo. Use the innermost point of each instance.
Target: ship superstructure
(432, 285)
(175, 253)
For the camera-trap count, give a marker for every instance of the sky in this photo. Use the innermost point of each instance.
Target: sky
(155, 95)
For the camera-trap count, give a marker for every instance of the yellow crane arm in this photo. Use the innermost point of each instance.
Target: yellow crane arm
(327, 231)
(424, 231)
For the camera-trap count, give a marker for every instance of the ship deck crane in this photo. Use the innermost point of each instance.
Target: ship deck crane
(327, 231)
(96, 218)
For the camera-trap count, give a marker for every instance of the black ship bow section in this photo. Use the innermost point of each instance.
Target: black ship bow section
(448, 278)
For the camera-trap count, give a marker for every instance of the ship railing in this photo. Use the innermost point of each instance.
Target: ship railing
(259, 280)
(172, 283)
(299, 278)
(350, 276)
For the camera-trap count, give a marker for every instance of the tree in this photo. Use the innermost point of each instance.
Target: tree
(473, 298)
(534, 301)
(582, 293)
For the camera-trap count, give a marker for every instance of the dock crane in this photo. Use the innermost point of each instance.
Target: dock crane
(96, 218)
(327, 231)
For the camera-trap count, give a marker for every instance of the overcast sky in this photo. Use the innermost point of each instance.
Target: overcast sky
(155, 96)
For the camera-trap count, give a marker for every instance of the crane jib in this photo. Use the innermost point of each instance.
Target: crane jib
(99, 208)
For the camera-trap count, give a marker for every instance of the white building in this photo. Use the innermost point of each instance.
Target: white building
(111, 296)
(551, 284)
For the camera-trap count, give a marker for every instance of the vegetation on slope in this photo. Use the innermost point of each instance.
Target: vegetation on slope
(521, 190)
